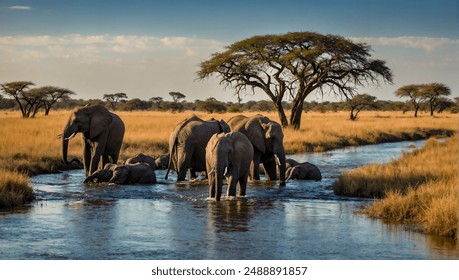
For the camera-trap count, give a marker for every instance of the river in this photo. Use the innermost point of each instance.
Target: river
(303, 220)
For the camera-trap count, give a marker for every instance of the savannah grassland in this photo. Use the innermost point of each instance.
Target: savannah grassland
(32, 146)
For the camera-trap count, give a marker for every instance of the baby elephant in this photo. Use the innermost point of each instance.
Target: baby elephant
(138, 173)
(101, 175)
(303, 171)
(232, 151)
(162, 161)
(142, 158)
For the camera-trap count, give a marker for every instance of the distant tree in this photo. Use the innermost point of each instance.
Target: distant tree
(157, 101)
(16, 90)
(115, 98)
(444, 103)
(359, 102)
(433, 93)
(211, 105)
(296, 64)
(263, 106)
(176, 96)
(135, 104)
(414, 92)
(52, 94)
(32, 101)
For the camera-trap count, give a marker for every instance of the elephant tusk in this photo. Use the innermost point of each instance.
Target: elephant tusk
(277, 160)
(71, 136)
(212, 171)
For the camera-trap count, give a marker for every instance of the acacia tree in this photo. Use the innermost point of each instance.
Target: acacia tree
(295, 64)
(115, 98)
(157, 100)
(433, 93)
(414, 92)
(52, 95)
(16, 90)
(176, 96)
(32, 101)
(359, 102)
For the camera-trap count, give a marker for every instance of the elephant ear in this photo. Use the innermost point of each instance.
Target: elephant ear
(256, 134)
(100, 120)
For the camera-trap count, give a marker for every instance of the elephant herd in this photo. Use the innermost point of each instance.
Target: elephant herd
(235, 150)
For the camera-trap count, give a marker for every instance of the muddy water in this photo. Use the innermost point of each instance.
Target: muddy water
(303, 220)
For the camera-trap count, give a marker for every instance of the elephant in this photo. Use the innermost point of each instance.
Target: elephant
(187, 145)
(103, 134)
(138, 173)
(267, 140)
(142, 158)
(101, 175)
(232, 151)
(162, 161)
(303, 171)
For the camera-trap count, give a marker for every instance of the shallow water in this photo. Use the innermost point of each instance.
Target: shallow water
(303, 220)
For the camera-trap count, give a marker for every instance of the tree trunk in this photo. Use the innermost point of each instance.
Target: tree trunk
(281, 113)
(416, 109)
(297, 110)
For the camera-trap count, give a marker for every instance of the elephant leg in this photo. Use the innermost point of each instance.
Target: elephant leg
(105, 160)
(243, 184)
(183, 162)
(98, 151)
(86, 157)
(212, 189)
(232, 182)
(192, 174)
(270, 169)
(255, 166)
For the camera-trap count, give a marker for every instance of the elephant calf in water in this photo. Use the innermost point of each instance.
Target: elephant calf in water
(303, 171)
(142, 158)
(101, 175)
(138, 173)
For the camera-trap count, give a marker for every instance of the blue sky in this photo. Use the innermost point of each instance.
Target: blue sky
(149, 48)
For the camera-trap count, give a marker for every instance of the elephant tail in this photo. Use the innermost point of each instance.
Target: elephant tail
(170, 160)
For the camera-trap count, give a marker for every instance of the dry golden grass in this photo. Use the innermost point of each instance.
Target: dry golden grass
(420, 187)
(14, 189)
(31, 146)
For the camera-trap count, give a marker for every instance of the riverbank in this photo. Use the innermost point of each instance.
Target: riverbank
(420, 188)
(32, 146)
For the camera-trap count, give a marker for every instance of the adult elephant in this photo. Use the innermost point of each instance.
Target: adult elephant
(187, 145)
(303, 171)
(138, 173)
(267, 140)
(103, 134)
(232, 151)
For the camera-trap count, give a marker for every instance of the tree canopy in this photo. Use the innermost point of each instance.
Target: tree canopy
(115, 98)
(294, 65)
(433, 93)
(359, 102)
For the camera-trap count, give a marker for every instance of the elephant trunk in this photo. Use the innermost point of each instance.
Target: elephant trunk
(66, 136)
(219, 181)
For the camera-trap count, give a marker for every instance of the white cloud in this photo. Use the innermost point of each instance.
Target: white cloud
(20, 8)
(428, 44)
(107, 44)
